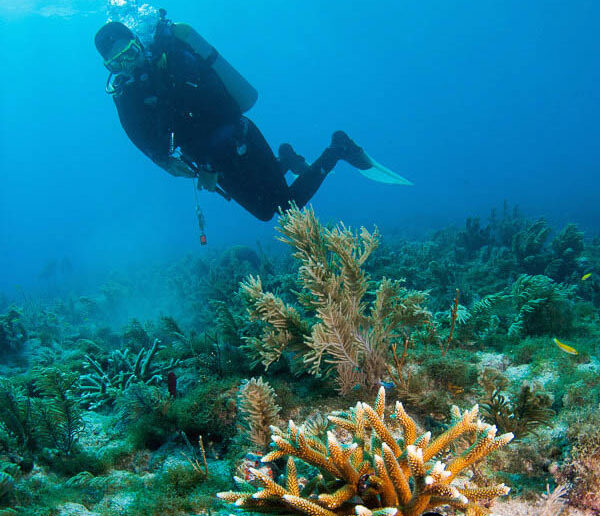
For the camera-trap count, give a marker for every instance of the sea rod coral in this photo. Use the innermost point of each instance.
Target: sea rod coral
(346, 325)
(258, 411)
(380, 472)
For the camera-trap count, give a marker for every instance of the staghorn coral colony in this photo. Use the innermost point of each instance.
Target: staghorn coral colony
(167, 389)
(376, 471)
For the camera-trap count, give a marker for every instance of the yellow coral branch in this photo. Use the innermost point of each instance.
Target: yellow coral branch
(306, 506)
(382, 431)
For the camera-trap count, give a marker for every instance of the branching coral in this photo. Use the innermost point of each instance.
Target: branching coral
(481, 319)
(473, 237)
(352, 328)
(59, 412)
(258, 411)
(12, 331)
(7, 487)
(16, 415)
(567, 246)
(533, 305)
(379, 472)
(528, 246)
(122, 369)
(283, 327)
(53, 420)
(542, 306)
(521, 414)
(135, 336)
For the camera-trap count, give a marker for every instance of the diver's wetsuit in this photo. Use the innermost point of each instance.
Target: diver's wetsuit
(178, 92)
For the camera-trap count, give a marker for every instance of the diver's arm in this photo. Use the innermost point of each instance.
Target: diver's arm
(146, 127)
(155, 150)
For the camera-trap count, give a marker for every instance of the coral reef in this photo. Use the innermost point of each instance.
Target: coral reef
(97, 417)
(377, 472)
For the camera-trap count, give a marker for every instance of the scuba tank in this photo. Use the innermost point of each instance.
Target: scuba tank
(239, 88)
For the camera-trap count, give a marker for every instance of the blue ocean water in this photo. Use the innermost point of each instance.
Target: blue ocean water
(475, 102)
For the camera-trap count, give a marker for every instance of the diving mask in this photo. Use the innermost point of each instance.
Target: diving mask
(124, 59)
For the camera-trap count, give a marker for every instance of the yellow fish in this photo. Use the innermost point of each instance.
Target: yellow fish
(586, 276)
(565, 348)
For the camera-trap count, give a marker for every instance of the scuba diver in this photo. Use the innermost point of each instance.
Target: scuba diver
(182, 105)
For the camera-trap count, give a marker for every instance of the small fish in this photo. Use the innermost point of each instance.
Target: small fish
(386, 385)
(565, 348)
(586, 276)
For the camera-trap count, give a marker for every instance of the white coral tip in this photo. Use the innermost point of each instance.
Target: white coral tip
(428, 480)
(411, 449)
(361, 510)
(438, 468)
(239, 502)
